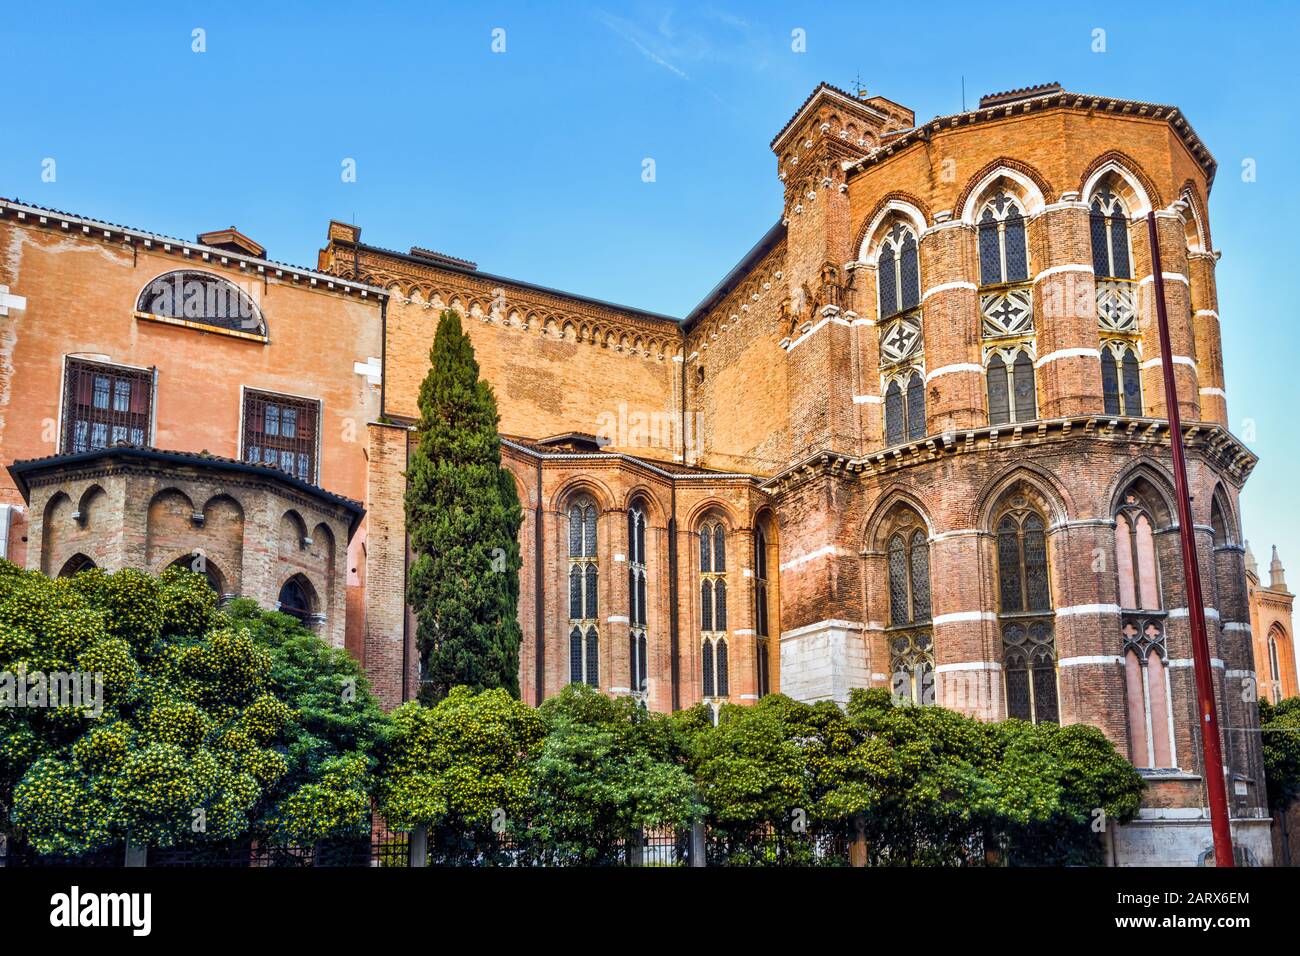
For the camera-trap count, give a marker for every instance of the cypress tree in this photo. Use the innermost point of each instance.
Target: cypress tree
(463, 517)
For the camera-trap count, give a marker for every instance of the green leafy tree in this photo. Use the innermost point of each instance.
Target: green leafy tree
(939, 788)
(183, 747)
(463, 516)
(1279, 726)
(331, 739)
(214, 726)
(462, 768)
(605, 772)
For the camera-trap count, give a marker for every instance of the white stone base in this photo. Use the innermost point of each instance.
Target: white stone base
(1177, 840)
(824, 661)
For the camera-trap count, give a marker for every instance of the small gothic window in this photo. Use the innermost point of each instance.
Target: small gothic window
(203, 298)
(1002, 250)
(1108, 226)
(1121, 383)
(281, 432)
(899, 272)
(1012, 391)
(905, 408)
(106, 405)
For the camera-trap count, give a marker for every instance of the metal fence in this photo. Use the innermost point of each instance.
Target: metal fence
(669, 847)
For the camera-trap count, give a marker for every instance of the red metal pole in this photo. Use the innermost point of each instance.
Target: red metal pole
(1211, 752)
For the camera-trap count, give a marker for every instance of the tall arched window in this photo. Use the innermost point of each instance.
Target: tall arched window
(1012, 392)
(637, 591)
(761, 612)
(899, 273)
(713, 610)
(1003, 253)
(1108, 221)
(911, 638)
(584, 578)
(1026, 618)
(1121, 381)
(905, 408)
(1146, 675)
(1275, 638)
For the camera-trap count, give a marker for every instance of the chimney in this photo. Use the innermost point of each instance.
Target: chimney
(232, 240)
(1276, 573)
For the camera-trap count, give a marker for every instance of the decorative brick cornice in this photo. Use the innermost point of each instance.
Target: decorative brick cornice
(1210, 440)
(540, 309)
(1056, 100)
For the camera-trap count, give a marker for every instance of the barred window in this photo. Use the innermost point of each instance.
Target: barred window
(202, 297)
(281, 432)
(909, 578)
(584, 579)
(899, 272)
(1028, 641)
(106, 405)
(1121, 382)
(1108, 226)
(637, 596)
(1012, 390)
(713, 610)
(1002, 250)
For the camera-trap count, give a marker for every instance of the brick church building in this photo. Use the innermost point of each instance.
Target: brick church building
(915, 439)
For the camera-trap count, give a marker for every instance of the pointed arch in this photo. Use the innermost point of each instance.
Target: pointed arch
(1137, 188)
(1021, 180)
(1027, 480)
(893, 207)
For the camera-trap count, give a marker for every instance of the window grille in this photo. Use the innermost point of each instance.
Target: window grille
(281, 432)
(106, 405)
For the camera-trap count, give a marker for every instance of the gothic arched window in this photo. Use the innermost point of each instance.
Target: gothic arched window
(1121, 382)
(1275, 637)
(1012, 393)
(584, 580)
(713, 610)
(899, 272)
(637, 597)
(1108, 225)
(911, 639)
(1003, 254)
(905, 408)
(761, 610)
(1026, 618)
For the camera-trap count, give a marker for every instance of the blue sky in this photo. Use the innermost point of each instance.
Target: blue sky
(529, 161)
